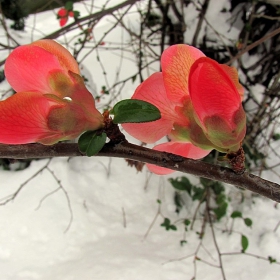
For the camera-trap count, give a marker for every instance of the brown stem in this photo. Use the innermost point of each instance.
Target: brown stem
(126, 150)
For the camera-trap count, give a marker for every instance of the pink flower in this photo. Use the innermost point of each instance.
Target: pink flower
(200, 104)
(51, 103)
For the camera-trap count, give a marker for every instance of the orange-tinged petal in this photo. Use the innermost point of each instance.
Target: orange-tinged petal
(152, 90)
(233, 74)
(176, 62)
(27, 68)
(23, 118)
(182, 149)
(66, 60)
(212, 91)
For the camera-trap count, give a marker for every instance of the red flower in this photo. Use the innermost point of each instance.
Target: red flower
(200, 104)
(51, 103)
(63, 15)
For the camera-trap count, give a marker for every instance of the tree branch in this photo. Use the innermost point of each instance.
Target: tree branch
(130, 151)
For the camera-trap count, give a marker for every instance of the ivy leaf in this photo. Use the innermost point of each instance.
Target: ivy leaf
(168, 225)
(183, 242)
(221, 210)
(69, 6)
(91, 142)
(236, 214)
(198, 193)
(248, 222)
(134, 111)
(244, 243)
(271, 260)
(76, 14)
(181, 184)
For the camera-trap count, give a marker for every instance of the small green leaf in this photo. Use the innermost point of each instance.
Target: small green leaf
(134, 78)
(91, 143)
(181, 184)
(248, 222)
(158, 201)
(173, 227)
(69, 6)
(198, 193)
(134, 111)
(168, 225)
(276, 137)
(76, 14)
(183, 242)
(187, 222)
(236, 214)
(244, 243)
(221, 210)
(178, 202)
(271, 260)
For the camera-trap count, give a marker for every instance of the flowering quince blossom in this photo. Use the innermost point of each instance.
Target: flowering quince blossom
(63, 15)
(51, 103)
(200, 104)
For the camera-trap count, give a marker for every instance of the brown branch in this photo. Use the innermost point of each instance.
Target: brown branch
(126, 150)
(255, 44)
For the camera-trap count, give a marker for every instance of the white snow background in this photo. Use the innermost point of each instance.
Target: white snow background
(95, 222)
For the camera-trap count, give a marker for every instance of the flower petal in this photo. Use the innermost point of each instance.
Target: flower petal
(176, 62)
(182, 149)
(27, 68)
(152, 90)
(212, 91)
(24, 118)
(62, 12)
(233, 74)
(65, 58)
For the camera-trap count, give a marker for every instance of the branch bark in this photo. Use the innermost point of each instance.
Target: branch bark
(130, 151)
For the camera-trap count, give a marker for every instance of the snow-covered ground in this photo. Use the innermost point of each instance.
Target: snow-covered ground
(97, 218)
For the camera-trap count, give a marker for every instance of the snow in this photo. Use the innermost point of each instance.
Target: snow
(97, 218)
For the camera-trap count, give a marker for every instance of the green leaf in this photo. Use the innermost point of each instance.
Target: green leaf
(271, 260)
(134, 111)
(181, 184)
(76, 14)
(173, 227)
(91, 142)
(183, 242)
(217, 187)
(244, 243)
(168, 225)
(134, 78)
(221, 210)
(236, 214)
(198, 193)
(248, 222)
(69, 6)
(178, 202)
(187, 222)
(276, 137)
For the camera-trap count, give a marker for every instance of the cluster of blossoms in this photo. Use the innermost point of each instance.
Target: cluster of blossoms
(52, 103)
(200, 105)
(63, 14)
(199, 100)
